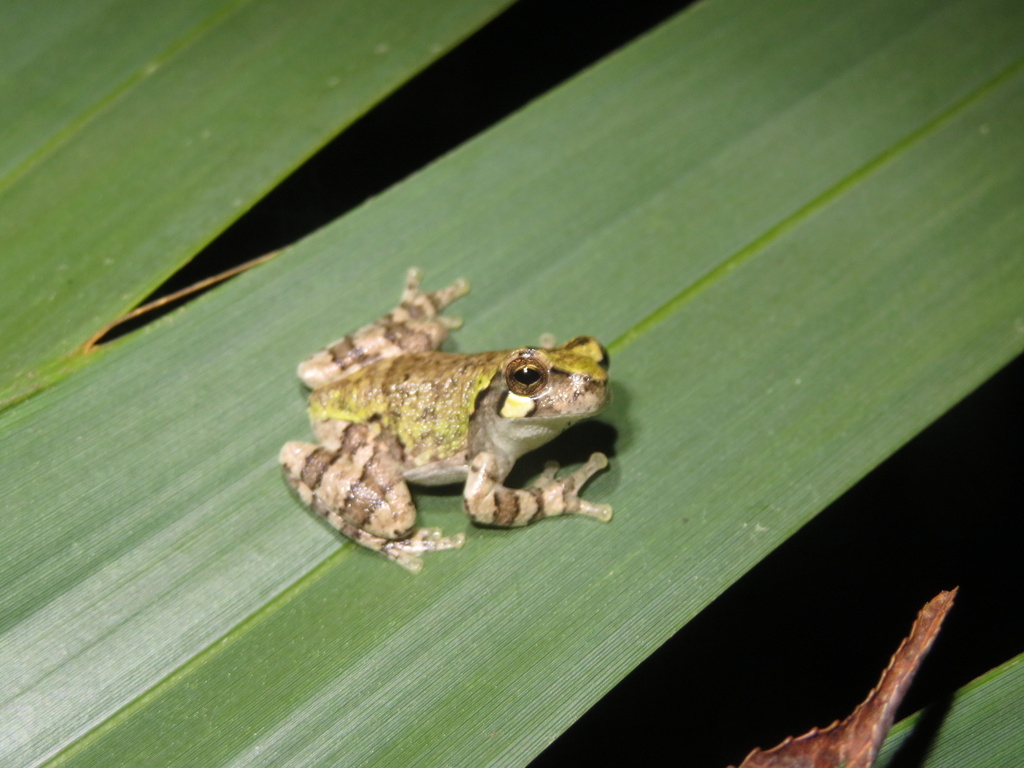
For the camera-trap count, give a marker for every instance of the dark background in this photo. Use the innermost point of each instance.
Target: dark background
(801, 639)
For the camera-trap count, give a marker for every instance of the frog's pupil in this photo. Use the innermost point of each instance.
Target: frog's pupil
(527, 376)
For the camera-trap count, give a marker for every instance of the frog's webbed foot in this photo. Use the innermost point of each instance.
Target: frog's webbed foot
(418, 306)
(568, 487)
(405, 551)
(402, 551)
(488, 502)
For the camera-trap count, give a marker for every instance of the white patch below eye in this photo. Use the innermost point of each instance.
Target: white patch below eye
(517, 406)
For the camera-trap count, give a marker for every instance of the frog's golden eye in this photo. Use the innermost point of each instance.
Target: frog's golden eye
(524, 376)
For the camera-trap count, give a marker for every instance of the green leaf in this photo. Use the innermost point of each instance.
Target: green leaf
(798, 221)
(981, 726)
(143, 129)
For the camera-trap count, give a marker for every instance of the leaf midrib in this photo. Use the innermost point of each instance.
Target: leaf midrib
(821, 201)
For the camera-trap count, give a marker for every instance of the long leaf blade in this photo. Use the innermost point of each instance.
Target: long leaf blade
(979, 728)
(154, 148)
(776, 370)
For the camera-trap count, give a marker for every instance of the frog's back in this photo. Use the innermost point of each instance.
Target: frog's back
(424, 399)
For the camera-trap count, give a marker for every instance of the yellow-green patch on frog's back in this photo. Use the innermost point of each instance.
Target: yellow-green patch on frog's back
(424, 399)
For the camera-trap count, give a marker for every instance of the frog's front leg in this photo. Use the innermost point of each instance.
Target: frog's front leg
(488, 502)
(415, 325)
(362, 495)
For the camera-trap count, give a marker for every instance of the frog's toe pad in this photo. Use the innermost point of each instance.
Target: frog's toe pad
(600, 512)
(405, 551)
(431, 540)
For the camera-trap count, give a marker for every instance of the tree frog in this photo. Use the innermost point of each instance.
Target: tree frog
(387, 407)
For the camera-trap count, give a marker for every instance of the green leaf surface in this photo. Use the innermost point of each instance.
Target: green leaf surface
(135, 132)
(980, 728)
(800, 222)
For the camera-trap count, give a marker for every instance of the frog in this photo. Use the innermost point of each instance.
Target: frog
(388, 408)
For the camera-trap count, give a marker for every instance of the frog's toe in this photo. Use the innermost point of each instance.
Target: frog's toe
(442, 298)
(408, 561)
(423, 540)
(451, 323)
(575, 479)
(432, 540)
(595, 463)
(413, 275)
(550, 470)
(600, 512)
(405, 551)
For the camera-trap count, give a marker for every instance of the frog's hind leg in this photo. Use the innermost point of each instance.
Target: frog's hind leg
(364, 497)
(415, 325)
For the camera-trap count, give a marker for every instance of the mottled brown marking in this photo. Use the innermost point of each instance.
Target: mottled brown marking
(338, 352)
(538, 513)
(351, 439)
(315, 465)
(357, 513)
(506, 507)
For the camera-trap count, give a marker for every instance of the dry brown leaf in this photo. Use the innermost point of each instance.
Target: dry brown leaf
(854, 742)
